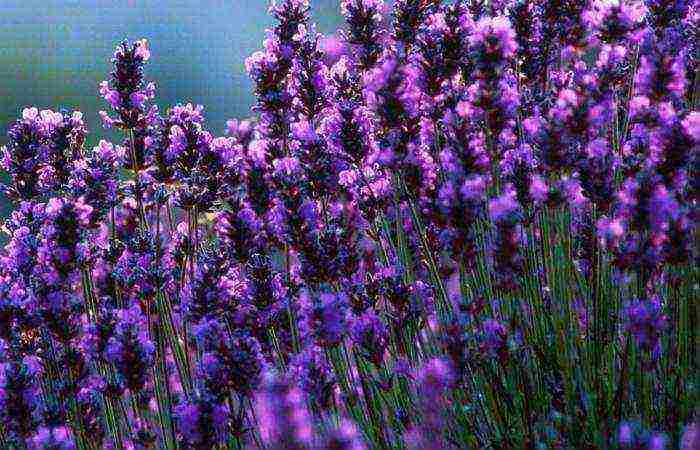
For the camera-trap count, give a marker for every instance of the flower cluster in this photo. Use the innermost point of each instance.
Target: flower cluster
(461, 224)
(42, 147)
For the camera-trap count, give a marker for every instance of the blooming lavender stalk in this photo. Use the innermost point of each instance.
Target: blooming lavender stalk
(645, 322)
(93, 179)
(212, 290)
(65, 133)
(41, 149)
(526, 17)
(62, 252)
(89, 401)
(19, 402)
(501, 194)
(440, 54)
(505, 213)
(201, 422)
(194, 157)
(314, 376)
(434, 379)
(21, 159)
(365, 29)
(343, 437)
(370, 335)
(128, 94)
(130, 349)
(270, 68)
(492, 44)
(231, 363)
(126, 91)
(633, 435)
(284, 420)
(408, 16)
(326, 318)
(57, 437)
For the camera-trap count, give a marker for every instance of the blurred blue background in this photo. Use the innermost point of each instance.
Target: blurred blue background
(54, 54)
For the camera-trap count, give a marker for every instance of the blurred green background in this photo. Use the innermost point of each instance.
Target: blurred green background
(53, 54)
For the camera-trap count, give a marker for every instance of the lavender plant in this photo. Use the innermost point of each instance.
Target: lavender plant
(466, 224)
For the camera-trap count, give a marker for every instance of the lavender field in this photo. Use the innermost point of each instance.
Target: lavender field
(448, 225)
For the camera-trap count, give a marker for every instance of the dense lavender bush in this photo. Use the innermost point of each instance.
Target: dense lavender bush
(453, 224)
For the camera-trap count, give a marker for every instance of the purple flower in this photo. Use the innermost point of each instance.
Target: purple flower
(178, 143)
(657, 442)
(493, 39)
(126, 91)
(691, 125)
(407, 18)
(625, 434)
(366, 32)
(660, 77)
(494, 339)
(213, 289)
(239, 231)
(21, 159)
(284, 421)
(645, 321)
(632, 436)
(57, 437)
(596, 173)
(434, 379)
(241, 130)
(303, 131)
(314, 375)
(326, 318)
(539, 189)
(19, 399)
(201, 421)
(183, 151)
(139, 269)
(644, 210)
(308, 83)
(130, 349)
(89, 403)
(333, 48)
(231, 362)
(94, 179)
(111, 96)
(370, 335)
(691, 437)
(502, 209)
(617, 22)
(40, 150)
(505, 213)
(343, 437)
(142, 52)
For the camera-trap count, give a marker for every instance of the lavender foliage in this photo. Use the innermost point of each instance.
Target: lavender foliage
(462, 224)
